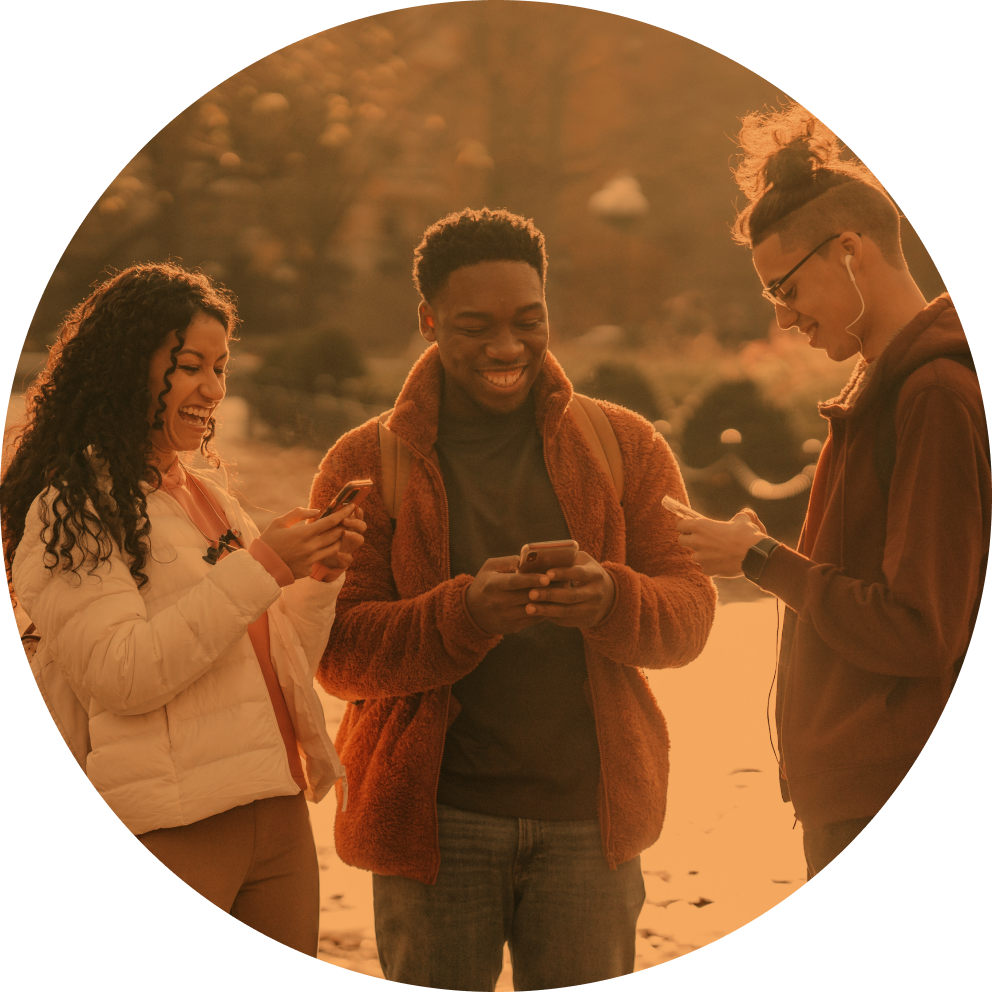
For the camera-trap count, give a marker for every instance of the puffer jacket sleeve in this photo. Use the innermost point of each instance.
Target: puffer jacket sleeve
(307, 606)
(104, 640)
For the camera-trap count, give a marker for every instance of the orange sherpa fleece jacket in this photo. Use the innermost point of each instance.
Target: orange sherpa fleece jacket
(403, 635)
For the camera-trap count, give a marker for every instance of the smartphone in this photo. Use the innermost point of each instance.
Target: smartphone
(351, 494)
(544, 555)
(679, 509)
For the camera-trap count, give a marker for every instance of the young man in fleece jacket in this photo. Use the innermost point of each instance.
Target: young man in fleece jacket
(507, 762)
(883, 590)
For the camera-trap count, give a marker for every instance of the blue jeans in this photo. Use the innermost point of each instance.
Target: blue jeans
(542, 885)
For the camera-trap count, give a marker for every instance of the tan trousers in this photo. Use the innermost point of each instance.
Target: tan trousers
(257, 862)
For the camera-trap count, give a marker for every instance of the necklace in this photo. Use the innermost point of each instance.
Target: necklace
(230, 540)
(224, 543)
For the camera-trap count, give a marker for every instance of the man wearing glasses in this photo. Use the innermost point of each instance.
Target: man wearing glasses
(882, 592)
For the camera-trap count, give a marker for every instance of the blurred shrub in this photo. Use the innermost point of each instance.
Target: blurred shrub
(622, 384)
(306, 390)
(312, 361)
(290, 417)
(767, 445)
(767, 442)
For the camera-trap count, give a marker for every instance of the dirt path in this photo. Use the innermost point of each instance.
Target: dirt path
(728, 851)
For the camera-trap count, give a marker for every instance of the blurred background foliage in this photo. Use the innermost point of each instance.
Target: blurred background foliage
(305, 181)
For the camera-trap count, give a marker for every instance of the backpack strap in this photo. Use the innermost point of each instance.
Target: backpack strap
(396, 457)
(598, 431)
(885, 436)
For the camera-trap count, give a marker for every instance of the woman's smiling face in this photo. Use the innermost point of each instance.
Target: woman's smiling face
(197, 387)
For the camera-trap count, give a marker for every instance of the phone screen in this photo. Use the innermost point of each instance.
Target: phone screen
(351, 493)
(545, 555)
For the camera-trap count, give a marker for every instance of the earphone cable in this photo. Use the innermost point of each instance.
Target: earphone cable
(768, 702)
(847, 330)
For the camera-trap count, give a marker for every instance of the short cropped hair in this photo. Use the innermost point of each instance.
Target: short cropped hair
(473, 236)
(799, 187)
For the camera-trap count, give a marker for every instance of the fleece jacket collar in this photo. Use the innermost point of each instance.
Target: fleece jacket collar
(415, 417)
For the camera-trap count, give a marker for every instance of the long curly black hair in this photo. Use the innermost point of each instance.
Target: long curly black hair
(87, 414)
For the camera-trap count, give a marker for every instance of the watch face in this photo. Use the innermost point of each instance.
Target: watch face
(754, 563)
(757, 557)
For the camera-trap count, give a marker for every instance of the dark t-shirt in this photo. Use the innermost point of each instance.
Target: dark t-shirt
(524, 743)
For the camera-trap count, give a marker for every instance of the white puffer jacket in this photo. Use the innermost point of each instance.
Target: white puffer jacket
(181, 725)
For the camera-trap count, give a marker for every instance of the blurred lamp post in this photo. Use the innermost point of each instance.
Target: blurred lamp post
(620, 203)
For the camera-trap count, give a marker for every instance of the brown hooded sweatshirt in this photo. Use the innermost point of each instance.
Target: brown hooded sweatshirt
(882, 594)
(403, 636)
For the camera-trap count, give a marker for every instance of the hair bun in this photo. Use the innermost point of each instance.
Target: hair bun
(788, 158)
(792, 165)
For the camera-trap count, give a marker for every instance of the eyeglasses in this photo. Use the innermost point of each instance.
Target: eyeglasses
(771, 291)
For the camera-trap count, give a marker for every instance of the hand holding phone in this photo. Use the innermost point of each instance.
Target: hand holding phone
(679, 509)
(541, 556)
(581, 595)
(351, 494)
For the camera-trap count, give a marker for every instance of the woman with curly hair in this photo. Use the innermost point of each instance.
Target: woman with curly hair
(185, 642)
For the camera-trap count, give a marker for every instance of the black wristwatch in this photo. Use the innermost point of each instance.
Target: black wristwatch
(756, 558)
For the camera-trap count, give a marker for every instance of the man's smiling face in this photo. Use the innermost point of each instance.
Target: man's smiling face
(819, 297)
(490, 322)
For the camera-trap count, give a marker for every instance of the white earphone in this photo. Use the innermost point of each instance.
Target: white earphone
(847, 262)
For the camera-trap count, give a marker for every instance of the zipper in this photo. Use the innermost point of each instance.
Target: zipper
(604, 825)
(439, 478)
(437, 782)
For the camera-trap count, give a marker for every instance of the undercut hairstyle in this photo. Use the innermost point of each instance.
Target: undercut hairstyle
(799, 187)
(474, 236)
(86, 435)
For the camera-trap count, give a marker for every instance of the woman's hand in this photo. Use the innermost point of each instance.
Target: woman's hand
(301, 547)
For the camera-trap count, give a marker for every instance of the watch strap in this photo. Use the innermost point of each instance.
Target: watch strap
(756, 558)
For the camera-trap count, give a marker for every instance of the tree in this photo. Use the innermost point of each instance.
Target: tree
(252, 181)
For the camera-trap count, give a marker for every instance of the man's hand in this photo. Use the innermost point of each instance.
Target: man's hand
(583, 600)
(351, 540)
(719, 546)
(497, 599)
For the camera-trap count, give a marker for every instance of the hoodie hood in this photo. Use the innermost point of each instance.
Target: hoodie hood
(934, 332)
